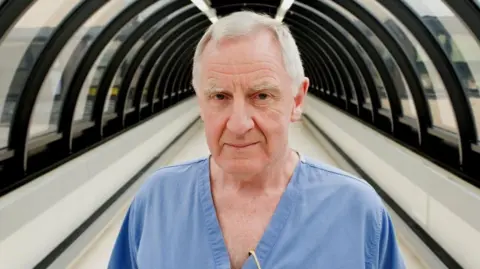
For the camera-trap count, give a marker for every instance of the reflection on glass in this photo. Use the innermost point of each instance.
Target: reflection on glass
(458, 43)
(84, 110)
(434, 89)
(394, 70)
(61, 72)
(371, 67)
(18, 53)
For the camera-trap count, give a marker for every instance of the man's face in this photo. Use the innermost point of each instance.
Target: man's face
(246, 102)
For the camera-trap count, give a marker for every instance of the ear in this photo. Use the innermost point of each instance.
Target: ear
(299, 100)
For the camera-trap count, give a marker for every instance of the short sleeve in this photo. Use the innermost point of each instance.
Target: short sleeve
(388, 250)
(126, 245)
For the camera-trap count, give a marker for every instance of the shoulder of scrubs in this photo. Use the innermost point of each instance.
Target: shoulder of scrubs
(382, 249)
(160, 186)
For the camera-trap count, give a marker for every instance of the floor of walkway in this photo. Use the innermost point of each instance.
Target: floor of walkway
(301, 139)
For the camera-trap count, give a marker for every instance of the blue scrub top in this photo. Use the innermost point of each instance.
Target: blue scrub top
(325, 219)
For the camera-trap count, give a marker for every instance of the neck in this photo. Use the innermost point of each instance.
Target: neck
(273, 179)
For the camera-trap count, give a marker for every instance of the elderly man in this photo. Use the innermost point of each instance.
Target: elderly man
(254, 202)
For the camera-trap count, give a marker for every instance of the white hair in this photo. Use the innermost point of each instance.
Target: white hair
(243, 23)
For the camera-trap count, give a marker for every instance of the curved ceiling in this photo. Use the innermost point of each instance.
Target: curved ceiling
(76, 73)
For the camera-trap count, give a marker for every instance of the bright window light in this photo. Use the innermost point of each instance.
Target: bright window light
(201, 5)
(284, 7)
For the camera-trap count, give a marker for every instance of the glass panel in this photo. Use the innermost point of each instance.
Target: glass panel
(434, 89)
(462, 48)
(18, 53)
(105, 57)
(54, 89)
(394, 70)
(371, 67)
(126, 63)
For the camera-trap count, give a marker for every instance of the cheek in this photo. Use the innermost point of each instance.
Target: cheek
(273, 123)
(214, 125)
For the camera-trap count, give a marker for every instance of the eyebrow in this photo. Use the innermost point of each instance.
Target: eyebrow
(213, 88)
(265, 85)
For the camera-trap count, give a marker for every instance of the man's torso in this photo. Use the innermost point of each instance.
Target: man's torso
(325, 219)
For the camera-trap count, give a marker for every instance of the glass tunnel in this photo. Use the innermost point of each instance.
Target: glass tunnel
(76, 74)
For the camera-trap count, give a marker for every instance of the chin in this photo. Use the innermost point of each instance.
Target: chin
(241, 166)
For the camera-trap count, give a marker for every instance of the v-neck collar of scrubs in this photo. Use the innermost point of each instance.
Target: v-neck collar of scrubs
(271, 233)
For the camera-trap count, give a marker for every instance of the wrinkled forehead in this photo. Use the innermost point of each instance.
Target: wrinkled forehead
(255, 56)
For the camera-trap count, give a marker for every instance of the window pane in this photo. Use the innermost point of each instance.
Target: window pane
(394, 70)
(54, 88)
(18, 52)
(434, 89)
(138, 73)
(130, 56)
(458, 43)
(106, 56)
(371, 67)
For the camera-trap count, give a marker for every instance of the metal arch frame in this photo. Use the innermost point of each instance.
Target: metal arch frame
(298, 29)
(406, 67)
(163, 71)
(460, 105)
(164, 51)
(316, 59)
(378, 118)
(120, 54)
(181, 80)
(312, 67)
(390, 88)
(174, 69)
(154, 57)
(328, 28)
(178, 79)
(178, 69)
(86, 64)
(10, 12)
(468, 12)
(19, 131)
(315, 73)
(343, 55)
(321, 59)
(324, 49)
(147, 47)
(158, 73)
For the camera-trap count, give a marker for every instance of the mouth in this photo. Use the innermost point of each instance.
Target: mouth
(240, 146)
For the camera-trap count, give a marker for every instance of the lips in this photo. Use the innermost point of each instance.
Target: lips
(239, 146)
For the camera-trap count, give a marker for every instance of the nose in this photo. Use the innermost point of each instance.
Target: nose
(240, 121)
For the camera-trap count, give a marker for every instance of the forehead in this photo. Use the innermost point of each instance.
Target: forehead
(257, 55)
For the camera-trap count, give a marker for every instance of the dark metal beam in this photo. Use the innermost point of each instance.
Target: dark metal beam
(175, 43)
(404, 64)
(352, 29)
(121, 53)
(156, 55)
(10, 12)
(19, 130)
(306, 14)
(462, 110)
(87, 62)
(181, 18)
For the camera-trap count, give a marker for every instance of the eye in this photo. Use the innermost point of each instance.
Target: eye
(262, 96)
(219, 96)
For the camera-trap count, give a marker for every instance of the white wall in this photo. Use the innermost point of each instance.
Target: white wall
(446, 207)
(37, 217)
